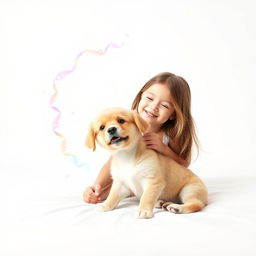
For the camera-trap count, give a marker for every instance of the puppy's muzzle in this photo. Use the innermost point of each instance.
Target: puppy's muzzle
(112, 130)
(114, 136)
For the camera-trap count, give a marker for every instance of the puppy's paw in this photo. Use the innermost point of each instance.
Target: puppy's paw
(174, 208)
(144, 214)
(159, 204)
(102, 207)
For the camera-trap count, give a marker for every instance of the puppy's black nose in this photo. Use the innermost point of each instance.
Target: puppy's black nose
(112, 130)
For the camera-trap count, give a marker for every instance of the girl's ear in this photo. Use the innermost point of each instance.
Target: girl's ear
(90, 139)
(140, 123)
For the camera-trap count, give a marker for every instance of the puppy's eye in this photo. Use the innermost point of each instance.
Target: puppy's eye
(102, 127)
(121, 121)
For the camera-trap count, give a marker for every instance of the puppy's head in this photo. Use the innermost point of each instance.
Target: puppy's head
(115, 128)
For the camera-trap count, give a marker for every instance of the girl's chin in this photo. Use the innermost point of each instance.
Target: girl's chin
(148, 119)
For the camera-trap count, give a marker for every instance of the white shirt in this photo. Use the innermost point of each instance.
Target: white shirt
(166, 139)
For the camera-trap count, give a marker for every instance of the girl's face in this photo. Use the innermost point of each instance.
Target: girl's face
(155, 105)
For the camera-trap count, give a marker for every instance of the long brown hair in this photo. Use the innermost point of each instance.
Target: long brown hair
(181, 128)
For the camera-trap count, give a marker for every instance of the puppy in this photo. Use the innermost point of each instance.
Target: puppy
(136, 170)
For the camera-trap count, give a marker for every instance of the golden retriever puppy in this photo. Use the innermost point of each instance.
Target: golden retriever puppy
(136, 170)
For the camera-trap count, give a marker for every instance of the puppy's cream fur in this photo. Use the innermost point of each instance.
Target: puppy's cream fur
(136, 170)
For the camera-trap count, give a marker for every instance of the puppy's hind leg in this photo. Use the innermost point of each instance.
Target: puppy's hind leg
(192, 205)
(193, 197)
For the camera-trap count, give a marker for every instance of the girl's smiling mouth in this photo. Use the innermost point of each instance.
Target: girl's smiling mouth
(149, 114)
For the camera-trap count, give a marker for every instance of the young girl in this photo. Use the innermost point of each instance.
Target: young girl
(164, 102)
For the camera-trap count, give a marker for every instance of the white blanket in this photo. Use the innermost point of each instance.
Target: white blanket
(42, 213)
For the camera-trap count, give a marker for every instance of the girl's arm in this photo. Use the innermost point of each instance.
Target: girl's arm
(100, 190)
(155, 141)
(104, 178)
(170, 153)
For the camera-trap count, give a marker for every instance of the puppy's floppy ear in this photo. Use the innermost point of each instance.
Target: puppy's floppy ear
(141, 124)
(90, 139)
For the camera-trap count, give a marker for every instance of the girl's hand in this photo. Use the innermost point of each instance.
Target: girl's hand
(92, 194)
(154, 141)
(96, 194)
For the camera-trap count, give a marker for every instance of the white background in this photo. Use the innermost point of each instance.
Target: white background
(209, 43)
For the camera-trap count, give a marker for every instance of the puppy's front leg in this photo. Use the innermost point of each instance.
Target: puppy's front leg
(117, 192)
(149, 197)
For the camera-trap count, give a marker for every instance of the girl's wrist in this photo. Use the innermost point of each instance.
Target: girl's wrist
(103, 185)
(166, 150)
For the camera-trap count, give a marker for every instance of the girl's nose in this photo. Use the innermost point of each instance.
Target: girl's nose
(154, 106)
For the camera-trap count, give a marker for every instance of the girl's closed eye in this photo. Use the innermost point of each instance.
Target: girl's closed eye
(165, 106)
(149, 98)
